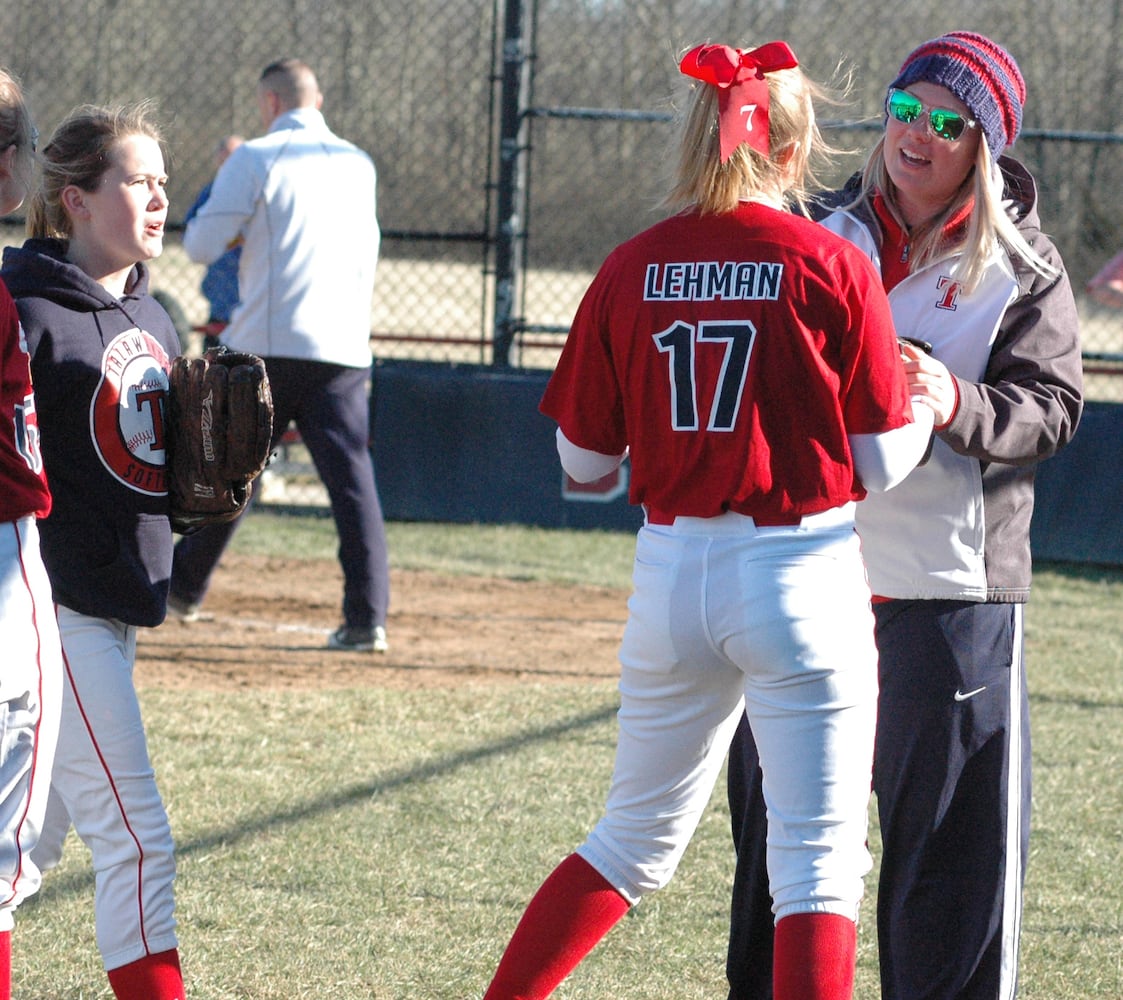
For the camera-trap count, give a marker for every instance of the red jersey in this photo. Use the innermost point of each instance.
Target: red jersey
(21, 464)
(732, 354)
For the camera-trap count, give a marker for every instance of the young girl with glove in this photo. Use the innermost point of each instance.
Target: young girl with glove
(101, 347)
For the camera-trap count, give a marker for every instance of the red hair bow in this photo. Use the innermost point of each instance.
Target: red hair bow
(743, 91)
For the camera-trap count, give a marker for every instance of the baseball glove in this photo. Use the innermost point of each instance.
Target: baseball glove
(220, 422)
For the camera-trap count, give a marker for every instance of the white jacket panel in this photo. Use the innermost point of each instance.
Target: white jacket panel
(926, 537)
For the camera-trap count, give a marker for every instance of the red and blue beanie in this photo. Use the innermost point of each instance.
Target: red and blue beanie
(981, 73)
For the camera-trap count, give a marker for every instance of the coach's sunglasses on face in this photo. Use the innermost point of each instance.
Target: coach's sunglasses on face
(906, 108)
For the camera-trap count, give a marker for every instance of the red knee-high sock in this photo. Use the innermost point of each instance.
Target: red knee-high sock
(574, 908)
(814, 957)
(154, 977)
(5, 965)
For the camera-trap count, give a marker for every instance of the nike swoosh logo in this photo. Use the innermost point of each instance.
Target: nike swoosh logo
(964, 695)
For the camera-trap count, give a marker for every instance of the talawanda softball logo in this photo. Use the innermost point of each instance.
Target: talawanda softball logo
(127, 412)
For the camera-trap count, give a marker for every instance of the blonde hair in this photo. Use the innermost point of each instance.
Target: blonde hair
(989, 226)
(79, 153)
(15, 121)
(704, 183)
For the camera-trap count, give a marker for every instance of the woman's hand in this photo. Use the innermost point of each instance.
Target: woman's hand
(930, 382)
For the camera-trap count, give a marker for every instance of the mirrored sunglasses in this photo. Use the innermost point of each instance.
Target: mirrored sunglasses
(906, 108)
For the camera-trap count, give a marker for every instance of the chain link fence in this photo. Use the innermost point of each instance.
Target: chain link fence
(410, 81)
(598, 176)
(517, 141)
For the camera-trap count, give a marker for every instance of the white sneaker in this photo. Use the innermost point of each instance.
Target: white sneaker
(359, 640)
(185, 611)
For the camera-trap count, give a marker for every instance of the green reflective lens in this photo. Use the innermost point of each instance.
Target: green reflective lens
(946, 124)
(904, 107)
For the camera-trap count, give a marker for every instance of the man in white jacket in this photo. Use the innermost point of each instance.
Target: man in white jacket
(306, 280)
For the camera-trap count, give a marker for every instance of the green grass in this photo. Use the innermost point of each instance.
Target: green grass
(378, 843)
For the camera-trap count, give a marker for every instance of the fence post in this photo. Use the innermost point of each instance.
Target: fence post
(510, 186)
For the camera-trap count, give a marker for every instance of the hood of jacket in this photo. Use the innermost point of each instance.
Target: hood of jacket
(40, 269)
(1019, 195)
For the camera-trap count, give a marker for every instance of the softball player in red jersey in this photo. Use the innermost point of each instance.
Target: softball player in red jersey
(100, 350)
(31, 675)
(746, 362)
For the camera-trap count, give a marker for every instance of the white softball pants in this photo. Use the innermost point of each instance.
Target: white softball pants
(103, 782)
(30, 699)
(724, 615)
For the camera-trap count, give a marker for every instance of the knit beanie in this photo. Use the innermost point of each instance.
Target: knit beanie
(981, 73)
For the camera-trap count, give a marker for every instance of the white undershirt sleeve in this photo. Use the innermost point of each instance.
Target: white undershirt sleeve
(884, 460)
(583, 465)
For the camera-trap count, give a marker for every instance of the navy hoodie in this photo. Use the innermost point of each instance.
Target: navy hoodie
(99, 365)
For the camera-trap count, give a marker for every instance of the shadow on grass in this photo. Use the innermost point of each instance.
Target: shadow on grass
(357, 794)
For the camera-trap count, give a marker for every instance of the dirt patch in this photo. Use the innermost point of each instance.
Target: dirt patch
(265, 624)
